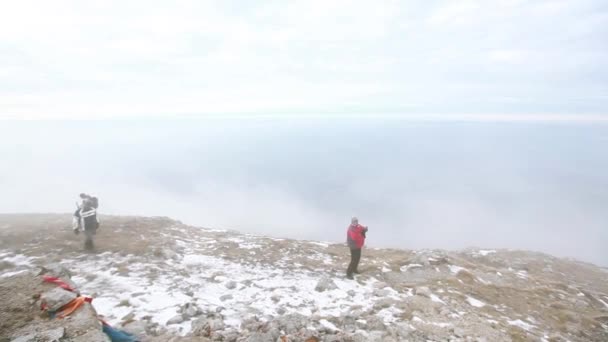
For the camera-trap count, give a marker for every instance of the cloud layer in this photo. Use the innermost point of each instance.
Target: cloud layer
(112, 59)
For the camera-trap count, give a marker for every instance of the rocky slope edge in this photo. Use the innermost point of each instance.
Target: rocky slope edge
(166, 281)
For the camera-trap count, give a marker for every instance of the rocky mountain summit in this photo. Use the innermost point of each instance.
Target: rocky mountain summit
(162, 280)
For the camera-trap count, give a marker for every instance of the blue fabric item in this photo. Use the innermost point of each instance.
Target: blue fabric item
(118, 335)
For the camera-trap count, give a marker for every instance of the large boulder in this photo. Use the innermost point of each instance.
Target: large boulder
(51, 335)
(56, 298)
(82, 321)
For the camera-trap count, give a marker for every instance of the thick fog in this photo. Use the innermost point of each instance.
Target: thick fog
(524, 185)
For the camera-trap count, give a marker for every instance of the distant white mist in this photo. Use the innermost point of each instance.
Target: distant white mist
(526, 185)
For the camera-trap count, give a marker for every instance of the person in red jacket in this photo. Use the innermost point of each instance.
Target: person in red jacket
(355, 237)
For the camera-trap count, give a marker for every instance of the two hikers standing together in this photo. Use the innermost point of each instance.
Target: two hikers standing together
(85, 219)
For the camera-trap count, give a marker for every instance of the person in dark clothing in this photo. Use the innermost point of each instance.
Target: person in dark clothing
(355, 238)
(86, 217)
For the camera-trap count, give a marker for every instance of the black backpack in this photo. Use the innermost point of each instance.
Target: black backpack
(94, 202)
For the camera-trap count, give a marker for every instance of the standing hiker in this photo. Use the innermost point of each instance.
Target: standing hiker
(87, 219)
(355, 237)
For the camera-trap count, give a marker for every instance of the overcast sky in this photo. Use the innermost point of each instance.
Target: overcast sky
(106, 59)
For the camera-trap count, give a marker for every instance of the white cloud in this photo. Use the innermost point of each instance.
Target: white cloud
(508, 56)
(113, 59)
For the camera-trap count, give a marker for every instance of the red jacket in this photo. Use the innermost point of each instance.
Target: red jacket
(355, 236)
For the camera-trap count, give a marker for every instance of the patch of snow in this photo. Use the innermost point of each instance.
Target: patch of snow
(247, 245)
(441, 325)
(384, 269)
(211, 230)
(455, 269)
(328, 325)
(475, 302)
(388, 315)
(521, 324)
(434, 298)
(322, 244)
(10, 274)
(19, 260)
(486, 252)
(605, 304)
(485, 282)
(406, 268)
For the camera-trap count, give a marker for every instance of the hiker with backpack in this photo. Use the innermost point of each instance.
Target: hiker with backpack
(355, 238)
(86, 218)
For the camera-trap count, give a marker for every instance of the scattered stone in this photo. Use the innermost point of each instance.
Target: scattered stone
(324, 284)
(136, 328)
(423, 291)
(231, 285)
(206, 327)
(129, 317)
(190, 310)
(55, 270)
(382, 293)
(96, 335)
(226, 297)
(176, 320)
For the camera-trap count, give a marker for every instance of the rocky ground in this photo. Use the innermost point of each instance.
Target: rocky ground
(166, 281)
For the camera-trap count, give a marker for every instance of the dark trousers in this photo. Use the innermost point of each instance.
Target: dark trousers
(355, 256)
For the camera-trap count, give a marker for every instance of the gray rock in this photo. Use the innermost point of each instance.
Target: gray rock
(384, 303)
(52, 335)
(228, 335)
(381, 293)
(226, 297)
(96, 335)
(423, 291)
(25, 338)
(82, 321)
(264, 336)
(169, 254)
(375, 323)
(380, 285)
(206, 327)
(136, 328)
(231, 285)
(56, 298)
(190, 310)
(291, 323)
(56, 270)
(175, 320)
(128, 317)
(325, 284)
(400, 330)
